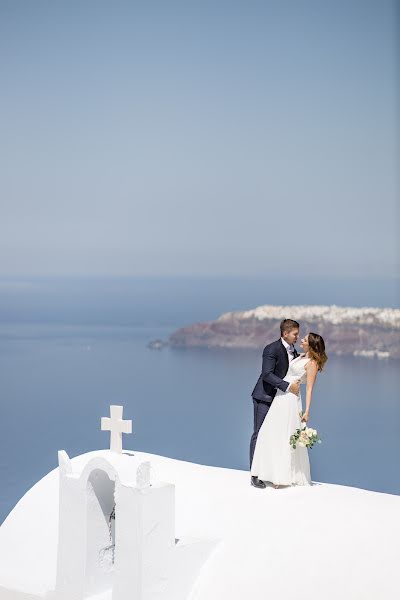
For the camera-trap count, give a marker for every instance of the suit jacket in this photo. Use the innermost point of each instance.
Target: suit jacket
(275, 365)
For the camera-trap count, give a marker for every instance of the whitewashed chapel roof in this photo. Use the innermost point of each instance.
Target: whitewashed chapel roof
(334, 541)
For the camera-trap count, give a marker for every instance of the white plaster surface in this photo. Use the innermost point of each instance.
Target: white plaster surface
(133, 554)
(327, 541)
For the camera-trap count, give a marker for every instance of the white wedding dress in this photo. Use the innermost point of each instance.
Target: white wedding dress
(274, 459)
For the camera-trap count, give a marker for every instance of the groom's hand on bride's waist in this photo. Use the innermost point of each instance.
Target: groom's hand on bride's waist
(294, 387)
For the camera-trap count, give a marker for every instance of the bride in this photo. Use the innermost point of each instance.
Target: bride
(274, 459)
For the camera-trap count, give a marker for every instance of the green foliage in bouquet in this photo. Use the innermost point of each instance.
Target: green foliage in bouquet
(305, 437)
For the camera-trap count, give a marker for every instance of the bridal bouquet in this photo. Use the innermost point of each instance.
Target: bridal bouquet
(305, 437)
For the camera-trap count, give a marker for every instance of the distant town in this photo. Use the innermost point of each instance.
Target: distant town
(368, 332)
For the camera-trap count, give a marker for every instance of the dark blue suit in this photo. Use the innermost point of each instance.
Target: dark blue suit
(275, 365)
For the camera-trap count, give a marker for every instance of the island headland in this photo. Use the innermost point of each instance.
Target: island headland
(368, 332)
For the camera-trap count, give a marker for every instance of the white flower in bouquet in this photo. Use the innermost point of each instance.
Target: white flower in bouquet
(303, 440)
(305, 437)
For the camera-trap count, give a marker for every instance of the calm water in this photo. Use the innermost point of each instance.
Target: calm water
(57, 381)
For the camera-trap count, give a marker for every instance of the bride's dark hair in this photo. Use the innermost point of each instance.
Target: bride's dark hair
(316, 350)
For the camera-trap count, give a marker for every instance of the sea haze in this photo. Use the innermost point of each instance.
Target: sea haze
(174, 301)
(69, 349)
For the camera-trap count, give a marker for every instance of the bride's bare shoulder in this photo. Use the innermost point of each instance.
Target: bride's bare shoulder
(311, 365)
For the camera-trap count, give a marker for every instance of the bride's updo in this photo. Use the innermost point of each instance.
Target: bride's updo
(316, 350)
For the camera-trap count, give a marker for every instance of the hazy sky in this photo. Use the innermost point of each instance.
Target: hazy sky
(240, 137)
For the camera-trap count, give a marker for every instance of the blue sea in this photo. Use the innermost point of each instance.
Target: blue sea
(69, 349)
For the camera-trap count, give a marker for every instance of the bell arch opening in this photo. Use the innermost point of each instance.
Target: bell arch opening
(100, 532)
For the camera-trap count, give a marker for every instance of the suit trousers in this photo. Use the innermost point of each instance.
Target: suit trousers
(260, 412)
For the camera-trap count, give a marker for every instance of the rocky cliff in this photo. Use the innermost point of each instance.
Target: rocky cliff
(366, 332)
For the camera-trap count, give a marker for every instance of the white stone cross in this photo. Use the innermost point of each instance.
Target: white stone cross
(117, 426)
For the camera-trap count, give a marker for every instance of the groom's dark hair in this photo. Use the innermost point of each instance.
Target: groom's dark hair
(288, 325)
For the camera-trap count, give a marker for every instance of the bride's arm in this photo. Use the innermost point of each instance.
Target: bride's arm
(311, 369)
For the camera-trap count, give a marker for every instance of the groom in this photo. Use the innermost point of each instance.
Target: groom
(275, 365)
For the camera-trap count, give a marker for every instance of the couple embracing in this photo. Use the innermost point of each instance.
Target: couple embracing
(278, 408)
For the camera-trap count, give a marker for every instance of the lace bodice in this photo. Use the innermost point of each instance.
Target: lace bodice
(297, 370)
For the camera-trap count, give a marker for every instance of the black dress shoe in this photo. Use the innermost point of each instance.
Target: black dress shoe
(257, 482)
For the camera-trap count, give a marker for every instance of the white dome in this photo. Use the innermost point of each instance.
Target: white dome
(326, 540)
